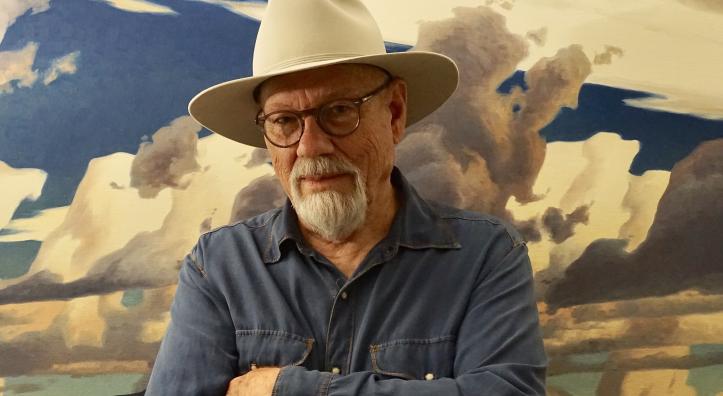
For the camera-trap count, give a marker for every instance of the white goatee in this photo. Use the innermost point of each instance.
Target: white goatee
(331, 214)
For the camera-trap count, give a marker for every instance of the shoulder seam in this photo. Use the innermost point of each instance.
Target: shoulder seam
(491, 221)
(514, 241)
(273, 216)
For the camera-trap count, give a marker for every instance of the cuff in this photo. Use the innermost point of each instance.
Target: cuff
(298, 381)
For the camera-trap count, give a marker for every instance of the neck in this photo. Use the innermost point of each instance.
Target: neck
(347, 254)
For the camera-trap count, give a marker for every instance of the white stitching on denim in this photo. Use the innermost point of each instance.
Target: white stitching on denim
(324, 388)
(373, 349)
(417, 341)
(279, 333)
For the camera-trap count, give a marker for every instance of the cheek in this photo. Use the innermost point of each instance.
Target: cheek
(375, 152)
(282, 167)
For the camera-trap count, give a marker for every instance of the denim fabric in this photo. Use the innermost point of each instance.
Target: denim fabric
(443, 305)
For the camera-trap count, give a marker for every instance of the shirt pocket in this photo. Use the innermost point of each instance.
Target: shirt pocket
(276, 348)
(427, 358)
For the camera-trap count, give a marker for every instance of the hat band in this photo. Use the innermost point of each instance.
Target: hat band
(291, 63)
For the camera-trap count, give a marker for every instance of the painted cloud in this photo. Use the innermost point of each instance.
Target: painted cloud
(16, 68)
(18, 185)
(683, 250)
(10, 10)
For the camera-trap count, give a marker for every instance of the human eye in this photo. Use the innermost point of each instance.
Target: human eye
(340, 108)
(339, 111)
(282, 119)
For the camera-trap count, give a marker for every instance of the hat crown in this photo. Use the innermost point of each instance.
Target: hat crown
(297, 32)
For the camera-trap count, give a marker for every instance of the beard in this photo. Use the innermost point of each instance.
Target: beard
(331, 214)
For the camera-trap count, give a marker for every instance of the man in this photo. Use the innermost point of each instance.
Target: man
(357, 286)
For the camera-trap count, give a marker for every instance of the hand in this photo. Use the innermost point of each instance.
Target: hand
(257, 382)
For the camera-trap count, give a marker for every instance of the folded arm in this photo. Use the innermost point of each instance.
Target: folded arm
(498, 346)
(198, 353)
(499, 349)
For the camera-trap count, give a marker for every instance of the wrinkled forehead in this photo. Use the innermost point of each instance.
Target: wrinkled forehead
(335, 80)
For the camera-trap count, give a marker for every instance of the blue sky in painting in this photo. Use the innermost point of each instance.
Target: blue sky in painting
(136, 72)
(665, 138)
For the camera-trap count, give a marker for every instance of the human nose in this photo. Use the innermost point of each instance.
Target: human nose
(314, 141)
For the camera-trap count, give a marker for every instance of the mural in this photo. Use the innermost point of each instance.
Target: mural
(596, 127)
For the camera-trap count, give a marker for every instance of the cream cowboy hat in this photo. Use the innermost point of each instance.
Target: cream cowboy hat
(298, 35)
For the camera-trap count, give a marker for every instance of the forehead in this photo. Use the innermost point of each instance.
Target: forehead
(331, 81)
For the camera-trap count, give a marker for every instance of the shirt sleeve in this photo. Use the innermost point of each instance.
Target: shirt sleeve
(499, 346)
(198, 353)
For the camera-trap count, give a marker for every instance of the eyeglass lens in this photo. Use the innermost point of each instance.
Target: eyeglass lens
(337, 118)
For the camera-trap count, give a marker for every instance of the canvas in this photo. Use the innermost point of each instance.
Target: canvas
(594, 126)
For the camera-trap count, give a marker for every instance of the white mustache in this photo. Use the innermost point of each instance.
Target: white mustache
(320, 167)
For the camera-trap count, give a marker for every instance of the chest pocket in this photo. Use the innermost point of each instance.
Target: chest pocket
(260, 348)
(415, 358)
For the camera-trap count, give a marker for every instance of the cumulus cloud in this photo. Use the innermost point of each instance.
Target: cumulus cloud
(207, 200)
(251, 9)
(64, 65)
(99, 220)
(683, 248)
(606, 57)
(561, 226)
(16, 68)
(165, 161)
(438, 176)
(592, 173)
(505, 4)
(538, 36)
(529, 229)
(72, 320)
(258, 157)
(10, 10)
(18, 185)
(491, 140)
(102, 246)
(35, 228)
(140, 6)
(641, 201)
(260, 195)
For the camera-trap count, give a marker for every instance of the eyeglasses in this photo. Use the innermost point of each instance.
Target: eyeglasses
(339, 117)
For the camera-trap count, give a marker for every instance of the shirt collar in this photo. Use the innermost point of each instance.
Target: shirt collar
(416, 225)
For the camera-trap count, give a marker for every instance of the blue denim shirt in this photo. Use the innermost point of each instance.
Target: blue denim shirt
(442, 306)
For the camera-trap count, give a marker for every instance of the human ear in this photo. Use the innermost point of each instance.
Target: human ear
(398, 109)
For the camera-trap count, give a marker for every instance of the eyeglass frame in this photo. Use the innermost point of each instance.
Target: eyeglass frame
(316, 112)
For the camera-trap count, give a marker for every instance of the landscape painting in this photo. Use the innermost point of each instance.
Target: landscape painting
(595, 127)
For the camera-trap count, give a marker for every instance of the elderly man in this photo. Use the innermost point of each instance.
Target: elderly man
(357, 286)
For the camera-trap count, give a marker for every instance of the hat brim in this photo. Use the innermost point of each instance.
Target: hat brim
(229, 108)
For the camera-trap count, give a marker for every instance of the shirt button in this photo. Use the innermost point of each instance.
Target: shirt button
(429, 376)
(335, 370)
(344, 295)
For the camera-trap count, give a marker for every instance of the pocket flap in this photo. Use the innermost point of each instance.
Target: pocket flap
(415, 358)
(271, 348)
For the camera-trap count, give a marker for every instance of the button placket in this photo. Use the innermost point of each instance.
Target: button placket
(340, 330)
(339, 333)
